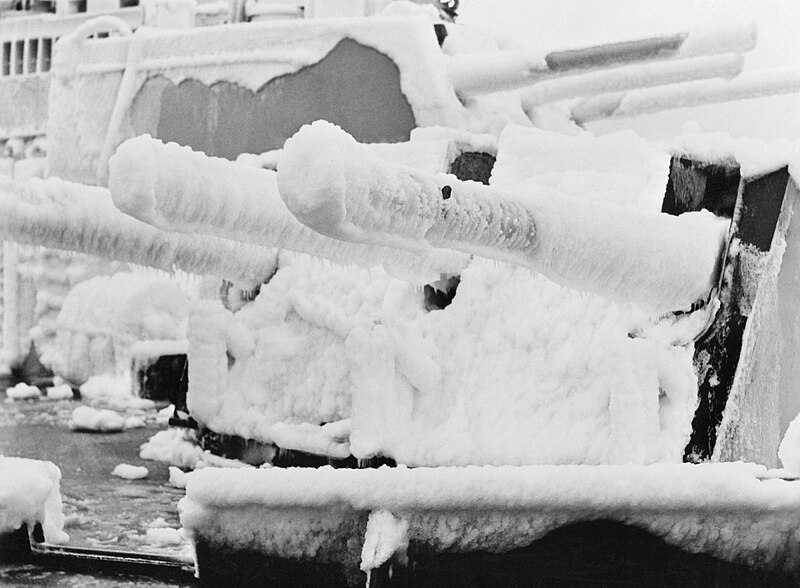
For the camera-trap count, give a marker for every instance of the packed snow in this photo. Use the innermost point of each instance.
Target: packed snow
(30, 494)
(23, 391)
(86, 418)
(618, 168)
(130, 472)
(60, 392)
(178, 448)
(177, 477)
(165, 536)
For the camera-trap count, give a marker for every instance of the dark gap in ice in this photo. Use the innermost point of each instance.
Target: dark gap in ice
(163, 378)
(441, 293)
(473, 165)
(695, 185)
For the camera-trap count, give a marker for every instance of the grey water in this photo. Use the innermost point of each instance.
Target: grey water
(101, 511)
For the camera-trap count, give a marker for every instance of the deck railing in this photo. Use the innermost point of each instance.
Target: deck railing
(26, 42)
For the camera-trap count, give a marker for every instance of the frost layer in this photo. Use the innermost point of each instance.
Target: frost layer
(177, 189)
(64, 215)
(86, 126)
(324, 344)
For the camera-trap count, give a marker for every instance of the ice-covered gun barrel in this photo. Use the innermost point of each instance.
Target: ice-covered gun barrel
(757, 84)
(632, 77)
(74, 217)
(663, 263)
(507, 70)
(174, 188)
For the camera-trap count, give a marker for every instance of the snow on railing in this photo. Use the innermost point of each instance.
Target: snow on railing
(507, 70)
(336, 186)
(756, 84)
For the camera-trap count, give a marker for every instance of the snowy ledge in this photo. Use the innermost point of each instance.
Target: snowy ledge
(755, 157)
(29, 494)
(727, 510)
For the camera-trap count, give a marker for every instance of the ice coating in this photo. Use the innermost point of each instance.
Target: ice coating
(103, 318)
(725, 510)
(70, 216)
(633, 76)
(386, 537)
(29, 494)
(323, 343)
(175, 188)
(514, 69)
(660, 262)
(290, 357)
(747, 86)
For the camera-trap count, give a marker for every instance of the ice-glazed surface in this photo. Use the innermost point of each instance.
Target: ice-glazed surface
(175, 188)
(64, 215)
(29, 494)
(722, 509)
